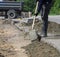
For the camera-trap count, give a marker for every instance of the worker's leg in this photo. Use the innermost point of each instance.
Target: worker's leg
(44, 15)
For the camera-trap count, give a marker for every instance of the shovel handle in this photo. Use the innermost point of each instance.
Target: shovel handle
(33, 22)
(36, 7)
(35, 16)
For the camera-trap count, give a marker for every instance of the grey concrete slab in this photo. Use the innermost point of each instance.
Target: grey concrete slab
(53, 41)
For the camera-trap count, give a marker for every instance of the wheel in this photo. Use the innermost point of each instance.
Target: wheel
(11, 14)
(6, 15)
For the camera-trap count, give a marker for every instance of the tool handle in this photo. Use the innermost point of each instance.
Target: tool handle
(36, 7)
(35, 16)
(33, 22)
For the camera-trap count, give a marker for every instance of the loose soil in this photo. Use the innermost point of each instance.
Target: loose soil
(52, 26)
(41, 49)
(13, 44)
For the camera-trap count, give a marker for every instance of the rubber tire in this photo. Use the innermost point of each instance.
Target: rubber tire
(6, 15)
(11, 14)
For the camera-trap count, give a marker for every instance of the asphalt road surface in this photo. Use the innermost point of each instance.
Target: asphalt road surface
(54, 18)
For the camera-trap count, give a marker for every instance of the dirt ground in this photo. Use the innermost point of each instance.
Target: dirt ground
(41, 49)
(13, 44)
(52, 27)
(11, 40)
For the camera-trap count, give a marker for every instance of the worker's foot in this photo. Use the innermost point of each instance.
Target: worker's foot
(38, 37)
(43, 34)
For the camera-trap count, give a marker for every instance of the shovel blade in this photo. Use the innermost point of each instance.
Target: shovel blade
(32, 35)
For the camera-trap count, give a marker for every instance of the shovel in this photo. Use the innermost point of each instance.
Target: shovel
(33, 33)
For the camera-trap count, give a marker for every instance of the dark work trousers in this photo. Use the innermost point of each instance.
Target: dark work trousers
(44, 15)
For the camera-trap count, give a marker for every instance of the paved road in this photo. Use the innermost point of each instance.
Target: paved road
(55, 18)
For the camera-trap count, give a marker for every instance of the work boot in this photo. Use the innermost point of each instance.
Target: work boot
(39, 37)
(43, 34)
